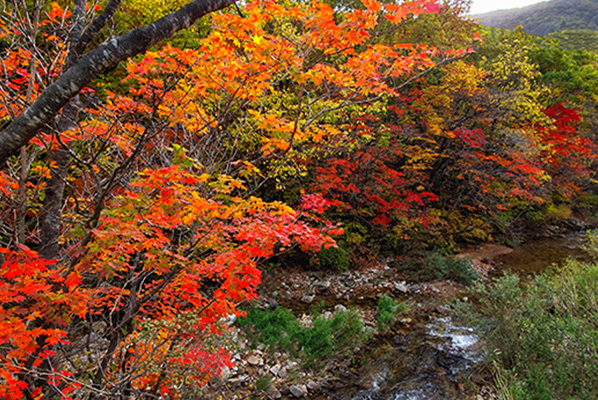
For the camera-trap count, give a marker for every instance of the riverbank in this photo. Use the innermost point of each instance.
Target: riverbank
(425, 354)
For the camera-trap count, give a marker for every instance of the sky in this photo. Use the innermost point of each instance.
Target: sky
(482, 6)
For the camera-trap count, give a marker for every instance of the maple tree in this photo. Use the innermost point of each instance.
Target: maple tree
(157, 232)
(567, 156)
(137, 218)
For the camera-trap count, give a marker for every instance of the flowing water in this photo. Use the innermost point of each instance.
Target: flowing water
(433, 357)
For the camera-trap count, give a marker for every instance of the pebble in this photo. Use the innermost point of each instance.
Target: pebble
(308, 298)
(327, 315)
(402, 287)
(275, 370)
(282, 373)
(340, 308)
(255, 360)
(298, 390)
(311, 385)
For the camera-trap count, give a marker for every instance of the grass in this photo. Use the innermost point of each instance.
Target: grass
(326, 339)
(544, 336)
(388, 310)
(437, 265)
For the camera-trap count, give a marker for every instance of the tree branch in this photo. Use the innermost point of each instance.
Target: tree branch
(101, 59)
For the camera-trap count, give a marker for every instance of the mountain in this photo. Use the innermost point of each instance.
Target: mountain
(582, 39)
(547, 17)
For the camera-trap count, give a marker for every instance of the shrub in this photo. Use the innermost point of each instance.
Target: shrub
(276, 327)
(544, 336)
(558, 213)
(388, 310)
(450, 267)
(336, 337)
(334, 258)
(436, 265)
(332, 338)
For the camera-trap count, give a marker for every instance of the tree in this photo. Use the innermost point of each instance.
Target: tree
(87, 66)
(159, 229)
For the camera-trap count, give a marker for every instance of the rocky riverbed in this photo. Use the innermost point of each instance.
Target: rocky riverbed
(262, 373)
(426, 355)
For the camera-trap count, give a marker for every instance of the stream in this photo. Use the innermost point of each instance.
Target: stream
(433, 357)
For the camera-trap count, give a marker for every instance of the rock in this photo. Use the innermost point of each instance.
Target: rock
(298, 390)
(275, 369)
(308, 298)
(255, 360)
(226, 373)
(311, 385)
(402, 287)
(306, 320)
(340, 308)
(400, 340)
(272, 303)
(282, 373)
(229, 319)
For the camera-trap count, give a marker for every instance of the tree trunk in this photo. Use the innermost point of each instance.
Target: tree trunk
(101, 59)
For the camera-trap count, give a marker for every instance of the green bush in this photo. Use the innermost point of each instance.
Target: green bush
(436, 265)
(334, 338)
(544, 336)
(388, 310)
(276, 327)
(450, 267)
(334, 258)
(558, 213)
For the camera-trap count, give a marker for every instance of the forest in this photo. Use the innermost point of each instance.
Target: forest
(160, 159)
(546, 17)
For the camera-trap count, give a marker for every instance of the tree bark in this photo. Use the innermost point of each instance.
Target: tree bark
(101, 59)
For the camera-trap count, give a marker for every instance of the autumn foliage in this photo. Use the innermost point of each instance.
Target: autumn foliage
(190, 166)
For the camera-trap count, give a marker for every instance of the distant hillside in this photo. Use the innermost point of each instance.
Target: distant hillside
(547, 17)
(576, 40)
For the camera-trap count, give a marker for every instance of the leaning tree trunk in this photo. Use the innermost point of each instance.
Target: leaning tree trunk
(99, 60)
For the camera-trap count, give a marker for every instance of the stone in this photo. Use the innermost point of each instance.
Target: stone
(298, 390)
(282, 373)
(254, 360)
(402, 287)
(229, 319)
(308, 298)
(272, 303)
(311, 385)
(340, 308)
(226, 373)
(274, 370)
(306, 320)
